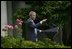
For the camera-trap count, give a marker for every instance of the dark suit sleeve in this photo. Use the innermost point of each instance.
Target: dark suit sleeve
(33, 25)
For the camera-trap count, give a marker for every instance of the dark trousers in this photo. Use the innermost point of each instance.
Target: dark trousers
(51, 31)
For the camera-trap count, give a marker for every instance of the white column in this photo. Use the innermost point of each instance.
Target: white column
(3, 16)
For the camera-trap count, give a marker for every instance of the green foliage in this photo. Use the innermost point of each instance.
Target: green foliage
(8, 42)
(56, 12)
(11, 42)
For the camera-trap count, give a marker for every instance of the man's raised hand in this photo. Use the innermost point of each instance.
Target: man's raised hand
(43, 21)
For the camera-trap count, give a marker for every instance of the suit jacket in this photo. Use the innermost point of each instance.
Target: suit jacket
(31, 29)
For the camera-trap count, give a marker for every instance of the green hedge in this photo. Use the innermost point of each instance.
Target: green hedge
(14, 42)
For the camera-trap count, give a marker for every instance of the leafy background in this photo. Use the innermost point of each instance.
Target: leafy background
(57, 13)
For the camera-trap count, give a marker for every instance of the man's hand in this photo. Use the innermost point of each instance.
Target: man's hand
(43, 21)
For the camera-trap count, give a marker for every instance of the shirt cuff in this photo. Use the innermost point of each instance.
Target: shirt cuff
(40, 22)
(40, 30)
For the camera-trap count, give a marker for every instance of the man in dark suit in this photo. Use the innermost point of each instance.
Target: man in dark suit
(31, 33)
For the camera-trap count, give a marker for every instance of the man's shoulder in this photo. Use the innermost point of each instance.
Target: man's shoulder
(28, 20)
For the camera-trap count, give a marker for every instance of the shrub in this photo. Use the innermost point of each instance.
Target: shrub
(15, 42)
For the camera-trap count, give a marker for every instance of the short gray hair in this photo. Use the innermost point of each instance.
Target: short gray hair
(31, 12)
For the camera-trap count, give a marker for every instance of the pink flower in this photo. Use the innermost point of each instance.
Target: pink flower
(4, 29)
(6, 26)
(15, 26)
(9, 26)
(19, 22)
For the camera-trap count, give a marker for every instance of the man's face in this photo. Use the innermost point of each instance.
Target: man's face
(33, 16)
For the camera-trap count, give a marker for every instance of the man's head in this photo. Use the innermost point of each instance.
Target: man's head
(32, 15)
